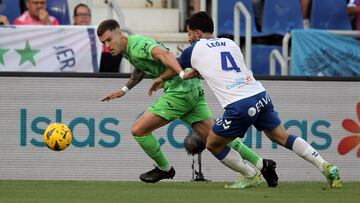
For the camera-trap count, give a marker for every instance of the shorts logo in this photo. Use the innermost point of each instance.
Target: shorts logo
(252, 111)
(226, 124)
(218, 121)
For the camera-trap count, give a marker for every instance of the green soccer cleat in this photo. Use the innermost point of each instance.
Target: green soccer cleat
(245, 182)
(331, 172)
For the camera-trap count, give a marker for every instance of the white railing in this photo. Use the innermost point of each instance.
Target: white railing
(113, 6)
(275, 54)
(214, 14)
(203, 5)
(240, 8)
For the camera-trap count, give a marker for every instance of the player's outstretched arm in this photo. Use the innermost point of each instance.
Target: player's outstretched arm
(135, 78)
(113, 95)
(159, 81)
(167, 58)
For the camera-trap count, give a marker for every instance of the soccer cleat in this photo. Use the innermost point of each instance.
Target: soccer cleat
(245, 182)
(156, 175)
(269, 173)
(331, 172)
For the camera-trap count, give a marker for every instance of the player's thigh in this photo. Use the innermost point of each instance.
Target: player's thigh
(171, 106)
(147, 123)
(266, 116)
(200, 110)
(203, 128)
(233, 123)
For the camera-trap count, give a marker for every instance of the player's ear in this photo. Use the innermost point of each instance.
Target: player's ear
(198, 34)
(120, 33)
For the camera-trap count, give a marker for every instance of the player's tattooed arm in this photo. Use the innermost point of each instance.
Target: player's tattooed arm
(135, 78)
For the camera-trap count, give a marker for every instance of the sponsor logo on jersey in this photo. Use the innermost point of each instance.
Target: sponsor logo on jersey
(252, 111)
(239, 82)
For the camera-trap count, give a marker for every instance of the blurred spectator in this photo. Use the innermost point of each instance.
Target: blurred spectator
(354, 9)
(36, 14)
(305, 10)
(195, 4)
(82, 15)
(108, 63)
(4, 20)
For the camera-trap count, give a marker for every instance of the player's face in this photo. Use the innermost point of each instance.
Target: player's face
(34, 6)
(193, 35)
(112, 41)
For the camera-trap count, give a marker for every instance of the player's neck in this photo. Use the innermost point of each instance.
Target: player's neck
(125, 43)
(207, 36)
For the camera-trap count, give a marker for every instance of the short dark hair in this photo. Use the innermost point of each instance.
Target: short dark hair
(200, 21)
(105, 25)
(81, 5)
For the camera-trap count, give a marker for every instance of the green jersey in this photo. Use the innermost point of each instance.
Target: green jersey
(138, 53)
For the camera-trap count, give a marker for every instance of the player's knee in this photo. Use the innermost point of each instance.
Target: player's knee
(136, 130)
(214, 149)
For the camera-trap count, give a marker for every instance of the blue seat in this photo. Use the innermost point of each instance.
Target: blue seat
(329, 15)
(280, 16)
(260, 61)
(11, 9)
(226, 18)
(60, 10)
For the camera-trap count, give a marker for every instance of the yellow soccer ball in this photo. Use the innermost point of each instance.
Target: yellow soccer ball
(57, 136)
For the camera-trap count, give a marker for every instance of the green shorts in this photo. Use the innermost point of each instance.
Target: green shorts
(190, 107)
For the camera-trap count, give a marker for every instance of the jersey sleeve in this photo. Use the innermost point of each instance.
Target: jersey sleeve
(185, 58)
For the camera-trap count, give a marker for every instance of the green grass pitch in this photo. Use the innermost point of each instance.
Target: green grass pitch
(13, 191)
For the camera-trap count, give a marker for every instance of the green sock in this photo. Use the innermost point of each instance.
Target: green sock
(246, 153)
(152, 148)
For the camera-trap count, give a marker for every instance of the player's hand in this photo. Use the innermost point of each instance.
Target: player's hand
(44, 16)
(113, 95)
(191, 73)
(156, 84)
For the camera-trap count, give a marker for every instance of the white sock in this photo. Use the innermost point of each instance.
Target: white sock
(234, 161)
(259, 164)
(307, 152)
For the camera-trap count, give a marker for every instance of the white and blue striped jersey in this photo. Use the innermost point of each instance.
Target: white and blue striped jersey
(222, 65)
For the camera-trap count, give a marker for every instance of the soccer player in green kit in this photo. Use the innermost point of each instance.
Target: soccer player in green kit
(183, 99)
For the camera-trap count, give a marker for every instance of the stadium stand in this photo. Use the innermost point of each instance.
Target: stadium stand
(329, 15)
(60, 10)
(226, 18)
(10, 9)
(260, 59)
(281, 16)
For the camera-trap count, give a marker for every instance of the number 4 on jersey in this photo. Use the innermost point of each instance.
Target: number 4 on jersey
(225, 57)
